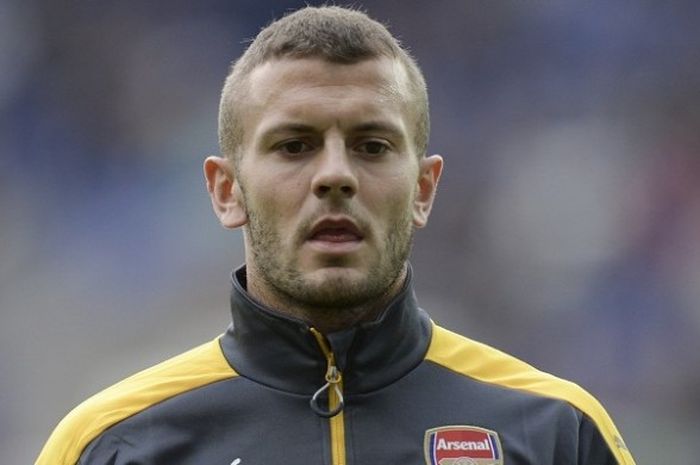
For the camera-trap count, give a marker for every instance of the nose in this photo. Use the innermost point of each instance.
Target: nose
(334, 176)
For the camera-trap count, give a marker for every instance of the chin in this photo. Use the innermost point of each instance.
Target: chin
(339, 280)
(336, 274)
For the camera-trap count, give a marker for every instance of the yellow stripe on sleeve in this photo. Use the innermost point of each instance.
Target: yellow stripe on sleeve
(193, 369)
(490, 365)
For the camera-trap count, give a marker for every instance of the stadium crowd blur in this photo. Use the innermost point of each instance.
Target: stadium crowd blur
(566, 230)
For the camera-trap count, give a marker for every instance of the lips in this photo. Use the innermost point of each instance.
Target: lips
(338, 230)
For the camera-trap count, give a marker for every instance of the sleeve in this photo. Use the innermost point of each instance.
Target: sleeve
(105, 450)
(593, 449)
(66, 446)
(82, 438)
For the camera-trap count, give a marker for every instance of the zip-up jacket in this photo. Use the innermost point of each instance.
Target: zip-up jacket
(398, 390)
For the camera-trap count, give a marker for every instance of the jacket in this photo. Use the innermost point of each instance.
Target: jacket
(398, 390)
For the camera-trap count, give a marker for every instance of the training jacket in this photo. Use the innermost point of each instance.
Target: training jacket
(397, 391)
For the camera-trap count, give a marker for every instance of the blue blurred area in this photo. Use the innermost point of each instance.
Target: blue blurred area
(566, 228)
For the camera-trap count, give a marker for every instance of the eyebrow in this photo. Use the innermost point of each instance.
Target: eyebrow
(382, 128)
(378, 126)
(289, 127)
(370, 126)
(286, 128)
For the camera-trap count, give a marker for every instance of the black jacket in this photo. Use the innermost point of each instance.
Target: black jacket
(399, 390)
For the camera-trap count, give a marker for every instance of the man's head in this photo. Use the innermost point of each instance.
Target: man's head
(326, 177)
(333, 34)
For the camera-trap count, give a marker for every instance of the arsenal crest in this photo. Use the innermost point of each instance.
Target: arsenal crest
(462, 445)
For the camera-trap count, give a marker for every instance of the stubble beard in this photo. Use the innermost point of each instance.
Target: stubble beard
(338, 295)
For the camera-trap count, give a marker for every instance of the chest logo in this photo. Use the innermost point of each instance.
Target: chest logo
(462, 445)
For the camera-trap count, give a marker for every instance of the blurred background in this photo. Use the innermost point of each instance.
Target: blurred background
(566, 230)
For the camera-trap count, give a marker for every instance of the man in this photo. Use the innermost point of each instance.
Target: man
(329, 360)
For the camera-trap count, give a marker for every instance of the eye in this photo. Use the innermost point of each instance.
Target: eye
(373, 147)
(294, 147)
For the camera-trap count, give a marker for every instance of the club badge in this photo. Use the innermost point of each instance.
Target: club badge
(462, 445)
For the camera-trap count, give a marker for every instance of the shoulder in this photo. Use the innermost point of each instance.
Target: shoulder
(486, 364)
(198, 367)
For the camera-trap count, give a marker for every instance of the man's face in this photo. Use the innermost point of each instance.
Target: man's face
(329, 180)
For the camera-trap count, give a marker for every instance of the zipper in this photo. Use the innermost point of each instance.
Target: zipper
(336, 403)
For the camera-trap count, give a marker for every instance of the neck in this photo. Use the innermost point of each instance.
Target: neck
(326, 319)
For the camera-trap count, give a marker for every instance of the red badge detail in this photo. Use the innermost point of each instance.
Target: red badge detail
(462, 445)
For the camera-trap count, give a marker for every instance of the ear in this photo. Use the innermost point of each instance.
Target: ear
(225, 193)
(430, 169)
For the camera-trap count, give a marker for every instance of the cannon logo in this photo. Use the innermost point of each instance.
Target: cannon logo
(462, 445)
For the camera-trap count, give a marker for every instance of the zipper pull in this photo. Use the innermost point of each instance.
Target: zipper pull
(333, 381)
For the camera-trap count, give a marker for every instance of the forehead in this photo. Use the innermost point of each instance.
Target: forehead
(317, 88)
(385, 75)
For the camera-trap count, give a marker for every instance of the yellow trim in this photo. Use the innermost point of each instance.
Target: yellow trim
(325, 347)
(337, 423)
(489, 365)
(193, 369)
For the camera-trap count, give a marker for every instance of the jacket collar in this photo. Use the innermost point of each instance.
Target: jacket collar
(276, 350)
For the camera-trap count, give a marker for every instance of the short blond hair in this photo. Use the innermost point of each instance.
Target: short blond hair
(338, 35)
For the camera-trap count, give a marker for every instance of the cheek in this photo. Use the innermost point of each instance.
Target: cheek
(392, 200)
(278, 205)
(267, 190)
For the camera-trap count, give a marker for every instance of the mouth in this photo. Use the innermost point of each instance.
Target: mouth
(335, 234)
